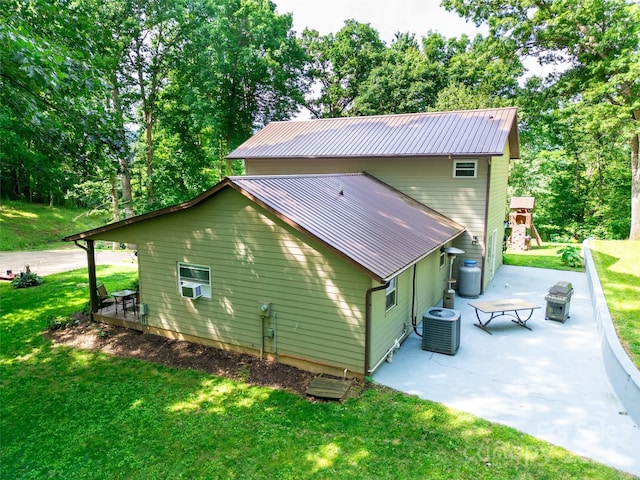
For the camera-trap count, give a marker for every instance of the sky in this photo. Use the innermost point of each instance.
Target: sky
(385, 16)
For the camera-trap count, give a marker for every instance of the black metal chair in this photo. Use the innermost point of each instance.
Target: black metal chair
(104, 299)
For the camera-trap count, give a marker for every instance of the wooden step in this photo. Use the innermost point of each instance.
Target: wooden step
(331, 388)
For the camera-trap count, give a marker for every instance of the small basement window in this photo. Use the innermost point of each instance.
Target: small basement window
(465, 168)
(194, 280)
(391, 297)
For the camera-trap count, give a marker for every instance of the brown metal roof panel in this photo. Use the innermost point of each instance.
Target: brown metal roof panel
(373, 225)
(364, 220)
(472, 135)
(477, 131)
(427, 136)
(441, 143)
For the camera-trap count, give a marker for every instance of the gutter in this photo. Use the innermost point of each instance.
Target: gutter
(367, 325)
(487, 199)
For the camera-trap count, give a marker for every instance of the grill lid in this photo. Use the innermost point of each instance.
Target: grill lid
(561, 289)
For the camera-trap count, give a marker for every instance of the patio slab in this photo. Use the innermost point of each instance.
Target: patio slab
(549, 382)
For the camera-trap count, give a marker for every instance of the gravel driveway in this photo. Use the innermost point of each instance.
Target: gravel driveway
(46, 262)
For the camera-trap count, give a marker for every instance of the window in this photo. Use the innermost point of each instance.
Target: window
(198, 274)
(465, 168)
(391, 294)
(443, 259)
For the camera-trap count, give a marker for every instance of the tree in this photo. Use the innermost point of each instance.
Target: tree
(339, 64)
(53, 122)
(575, 167)
(405, 81)
(239, 69)
(145, 36)
(598, 44)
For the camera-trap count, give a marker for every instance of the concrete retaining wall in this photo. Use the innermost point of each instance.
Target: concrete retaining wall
(623, 374)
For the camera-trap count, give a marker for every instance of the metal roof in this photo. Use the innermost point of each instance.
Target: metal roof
(522, 202)
(361, 218)
(375, 227)
(467, 132)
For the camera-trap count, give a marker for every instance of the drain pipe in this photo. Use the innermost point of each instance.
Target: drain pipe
(367, 324)
(388, 356)
(414, 320)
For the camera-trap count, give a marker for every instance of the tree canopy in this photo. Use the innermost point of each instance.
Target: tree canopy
(597, 92)
(130, 105)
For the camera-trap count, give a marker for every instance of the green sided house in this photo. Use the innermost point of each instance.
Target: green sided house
(304, 261)
(455, 162)
(328, 272)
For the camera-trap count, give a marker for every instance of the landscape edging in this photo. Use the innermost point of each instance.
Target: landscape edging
(623, 374)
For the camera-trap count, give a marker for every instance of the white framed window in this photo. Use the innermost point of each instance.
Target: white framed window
(194, 280)
(443, 259)
(465, 168)
(391, 296)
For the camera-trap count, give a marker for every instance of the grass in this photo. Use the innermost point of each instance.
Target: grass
(546, 256)
(32, 226)
(618, 265)
(68, 413)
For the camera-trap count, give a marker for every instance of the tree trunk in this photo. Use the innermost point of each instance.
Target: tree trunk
(123, 162)
(115, 207)
(147, 98)
(148, 122)
(125, 179)
(634, 234)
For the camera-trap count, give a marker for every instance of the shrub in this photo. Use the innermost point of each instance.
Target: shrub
(570, 256)
(60, 322)
(25, 280)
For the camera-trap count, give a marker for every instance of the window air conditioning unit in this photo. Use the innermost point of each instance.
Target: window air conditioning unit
(191, 290)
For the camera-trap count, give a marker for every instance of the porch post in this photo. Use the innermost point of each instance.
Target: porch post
(93, 283)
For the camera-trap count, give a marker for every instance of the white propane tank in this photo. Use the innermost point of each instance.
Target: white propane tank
(469, 279)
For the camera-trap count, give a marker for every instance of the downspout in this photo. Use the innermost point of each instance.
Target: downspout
(486, 226)
(91, 264)
(367, 324)
(414, 320)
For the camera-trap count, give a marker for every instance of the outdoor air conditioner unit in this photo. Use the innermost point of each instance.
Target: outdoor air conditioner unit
(441, 330)
(191, 290)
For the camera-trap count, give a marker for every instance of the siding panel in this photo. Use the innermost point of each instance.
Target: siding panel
(318, 297)
(427, 179)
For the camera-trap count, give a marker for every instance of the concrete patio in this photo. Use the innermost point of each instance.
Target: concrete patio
(549, 382)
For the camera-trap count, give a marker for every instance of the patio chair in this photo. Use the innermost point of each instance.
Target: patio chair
(135, 300)
(104, 299)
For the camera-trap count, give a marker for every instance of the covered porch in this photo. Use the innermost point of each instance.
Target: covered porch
(130, 318)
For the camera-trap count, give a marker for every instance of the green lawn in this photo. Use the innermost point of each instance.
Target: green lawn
(546, 256)
(29, 226)
(618, 265)
(72, 414)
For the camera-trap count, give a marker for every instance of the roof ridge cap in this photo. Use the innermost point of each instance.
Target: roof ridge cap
(297, 175)
(406, 114)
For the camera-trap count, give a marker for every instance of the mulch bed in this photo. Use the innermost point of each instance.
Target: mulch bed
(123, 342)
